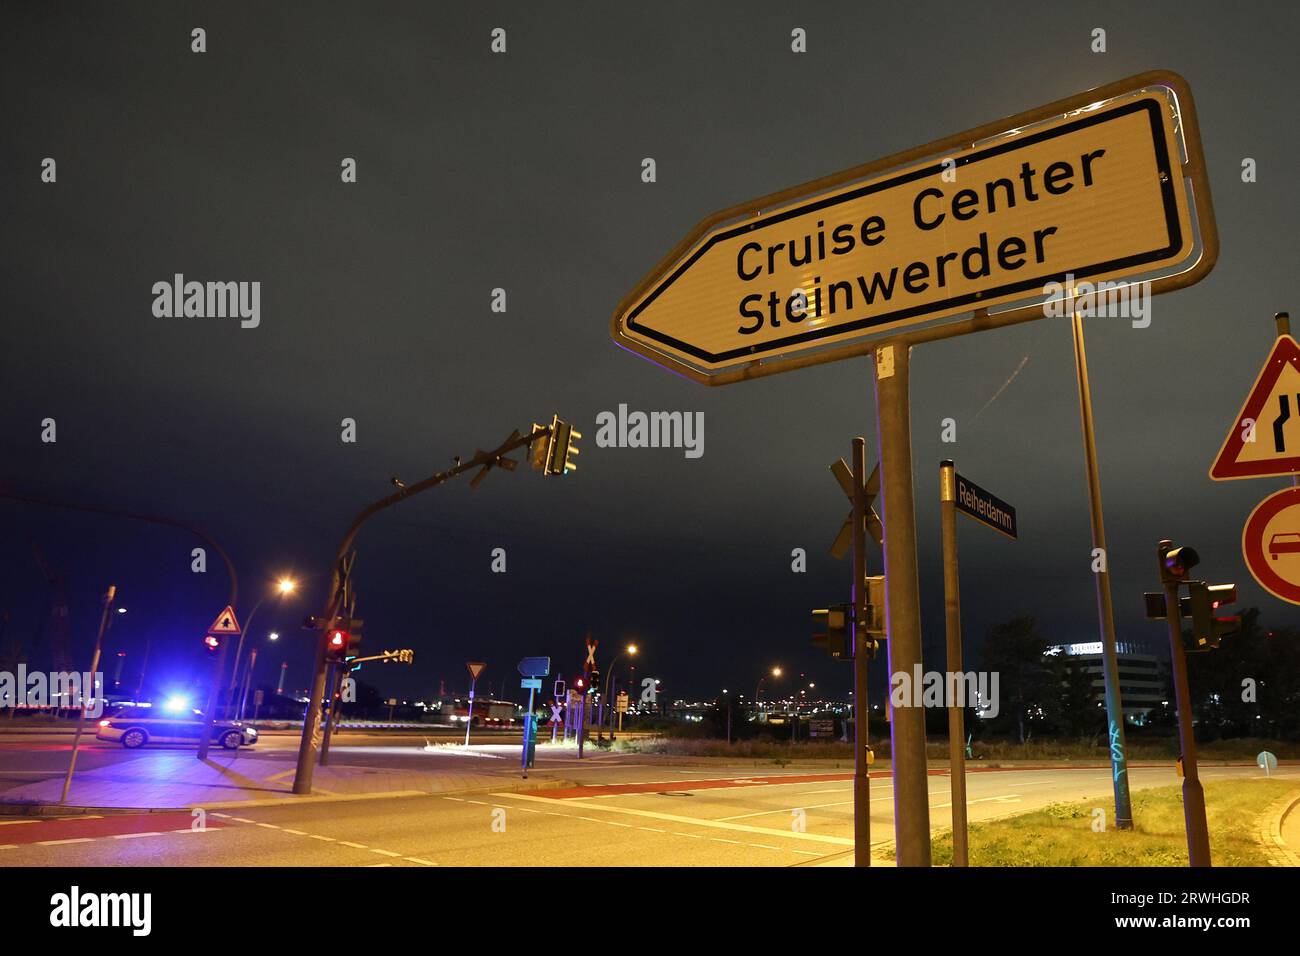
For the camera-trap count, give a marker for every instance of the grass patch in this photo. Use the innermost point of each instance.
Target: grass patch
(1061, 834)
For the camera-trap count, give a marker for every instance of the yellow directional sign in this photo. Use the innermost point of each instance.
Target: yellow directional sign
(1091, 193)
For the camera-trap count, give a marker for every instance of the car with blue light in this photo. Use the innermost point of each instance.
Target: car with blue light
(136, 723)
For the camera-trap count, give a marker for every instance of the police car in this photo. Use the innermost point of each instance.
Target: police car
(136, 724)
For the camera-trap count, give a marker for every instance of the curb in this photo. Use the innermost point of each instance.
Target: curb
(1277, 850)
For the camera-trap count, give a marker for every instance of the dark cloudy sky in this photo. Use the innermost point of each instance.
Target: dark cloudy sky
(522, 171)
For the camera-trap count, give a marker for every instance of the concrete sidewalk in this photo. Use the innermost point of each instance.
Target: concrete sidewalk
(177, 780)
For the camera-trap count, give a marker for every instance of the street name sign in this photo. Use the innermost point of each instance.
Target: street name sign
(1270, 544)
(535, 666)
(985, 507)
(531, 683)
(1093, 187)
(1264, 440)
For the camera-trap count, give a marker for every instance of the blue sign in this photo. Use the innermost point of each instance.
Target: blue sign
(535, 666)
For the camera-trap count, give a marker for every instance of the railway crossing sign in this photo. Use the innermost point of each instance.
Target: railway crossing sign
(1270, 543)
(1264, 439)
(987, 218)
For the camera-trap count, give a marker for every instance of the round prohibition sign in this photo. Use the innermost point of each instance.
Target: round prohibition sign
(1270, 543)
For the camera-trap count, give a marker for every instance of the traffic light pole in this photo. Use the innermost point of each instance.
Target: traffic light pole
(335, 682)
(903, 615)
(861, 642)
(311, 720)
(1198, 837)
(1105, 610)
(952, 626)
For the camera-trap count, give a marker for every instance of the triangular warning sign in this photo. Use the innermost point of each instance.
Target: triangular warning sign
(225, 622)
(1265, 438)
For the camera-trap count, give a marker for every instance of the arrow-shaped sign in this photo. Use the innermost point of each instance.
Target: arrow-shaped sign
(844, 540)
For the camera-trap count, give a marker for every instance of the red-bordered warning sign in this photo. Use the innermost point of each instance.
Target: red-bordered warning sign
(1265, 438)
(1270, 543)
(225, 622)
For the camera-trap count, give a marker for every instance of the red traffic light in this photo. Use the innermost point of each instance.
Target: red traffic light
(579, 683)
(212, 643)
(338, 639)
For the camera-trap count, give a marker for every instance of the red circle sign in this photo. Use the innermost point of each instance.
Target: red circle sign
(1270, 543)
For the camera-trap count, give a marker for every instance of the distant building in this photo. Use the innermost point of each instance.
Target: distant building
(1143, 676)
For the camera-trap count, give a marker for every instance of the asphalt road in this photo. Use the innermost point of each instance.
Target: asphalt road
(634, 810)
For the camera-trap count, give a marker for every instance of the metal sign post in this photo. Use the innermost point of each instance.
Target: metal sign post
(902, 604)
(475, 668)
(862, 642)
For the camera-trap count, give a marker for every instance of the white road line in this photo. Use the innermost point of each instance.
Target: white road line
(384, 852)
(63, 842)
(652, 829)
(416, 859)
(686, 821)
(317, 836)
(242, 820)
(720, 840)
(355, 846)
(269, 826)
(14, 823)
(763, 813)
(8, 846)
(296, 832)
(136, 836)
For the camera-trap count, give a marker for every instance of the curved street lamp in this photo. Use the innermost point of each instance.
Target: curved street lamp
(283, 588)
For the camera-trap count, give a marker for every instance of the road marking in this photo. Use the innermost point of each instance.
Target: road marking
(63, 842)
(457, 799)
(134, 836)
(1008, 798)
(14, 823)
(373, 865)
(720, 840)
(652, 829)
(269, 826)
(242, 820)
(355, 846)
(416, 859)
(296, 832)
(317, 836)
(9, 846)
(384, 852)
(693, 836)
(688, 821)
(763, 813)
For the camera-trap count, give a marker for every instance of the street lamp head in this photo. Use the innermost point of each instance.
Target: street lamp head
(286, 585)
(273, 636)
(631, 648)
(776, 672)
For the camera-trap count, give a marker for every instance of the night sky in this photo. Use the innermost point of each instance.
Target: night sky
(523, 171)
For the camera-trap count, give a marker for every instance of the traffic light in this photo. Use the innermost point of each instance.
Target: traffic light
(831, 630)
(337, 643)
(1200, 605)
(1176, 562)
(593, 680)
(580, 685)
(562, 447)
(212, 643)
(876, 605)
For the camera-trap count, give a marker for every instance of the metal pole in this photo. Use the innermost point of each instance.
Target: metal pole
(582, 723)
(311, 720)
(903, 615)
(952, 620)
(1198, 837)
(1105, 612)
(336, 676)
(239, 649)
(861, 645)
(469, 720)
(94, 669)
(248, 680)
(279, 687)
